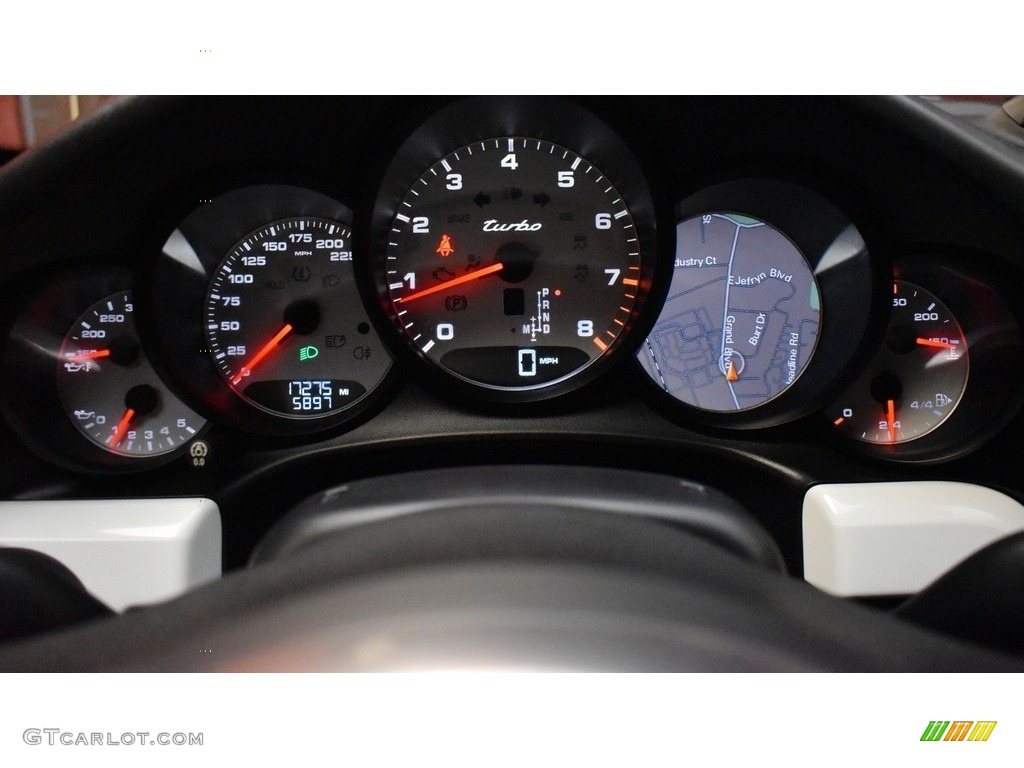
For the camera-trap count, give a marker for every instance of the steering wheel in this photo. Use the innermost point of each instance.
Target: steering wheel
(508, 568)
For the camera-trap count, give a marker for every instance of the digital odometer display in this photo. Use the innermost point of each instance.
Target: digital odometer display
(304, 397)
(740, 323)
(285, 325)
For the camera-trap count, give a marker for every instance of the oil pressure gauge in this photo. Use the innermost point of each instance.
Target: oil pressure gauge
(917, 379)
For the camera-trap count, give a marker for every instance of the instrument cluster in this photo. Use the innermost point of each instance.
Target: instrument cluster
(508, 254)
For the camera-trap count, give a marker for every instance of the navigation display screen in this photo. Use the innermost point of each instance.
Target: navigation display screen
(741, 319)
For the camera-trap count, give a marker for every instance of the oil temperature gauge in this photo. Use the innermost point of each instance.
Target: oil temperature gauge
(915, 381)
(109, 390)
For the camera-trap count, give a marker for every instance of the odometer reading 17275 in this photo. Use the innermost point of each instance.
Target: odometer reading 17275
(513, 264)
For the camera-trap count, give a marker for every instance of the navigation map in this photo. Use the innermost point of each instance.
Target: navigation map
(741, 319)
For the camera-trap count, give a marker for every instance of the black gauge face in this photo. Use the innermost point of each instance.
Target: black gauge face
(109, 390)
(513, 264)
(917, 379)
(285, 326)
(741, 319)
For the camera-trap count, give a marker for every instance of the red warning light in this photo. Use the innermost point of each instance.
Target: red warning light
(445, 248)
(558, 291)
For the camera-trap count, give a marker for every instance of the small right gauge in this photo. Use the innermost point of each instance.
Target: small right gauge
(917, 378)
(946, 372)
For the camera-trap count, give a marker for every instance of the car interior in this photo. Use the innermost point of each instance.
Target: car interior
(624, 383)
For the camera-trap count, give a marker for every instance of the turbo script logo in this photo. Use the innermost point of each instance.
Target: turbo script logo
(492, 225)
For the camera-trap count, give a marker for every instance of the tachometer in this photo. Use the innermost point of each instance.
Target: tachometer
(514, 265)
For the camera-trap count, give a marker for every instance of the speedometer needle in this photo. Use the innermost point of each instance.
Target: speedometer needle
(890, 419)
(497, 267)
(122, 426)
(266, 350)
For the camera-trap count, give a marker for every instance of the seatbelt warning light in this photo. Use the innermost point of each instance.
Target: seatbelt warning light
(445, 247)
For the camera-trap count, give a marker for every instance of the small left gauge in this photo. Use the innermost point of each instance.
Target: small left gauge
(79, 386)
(110, 391)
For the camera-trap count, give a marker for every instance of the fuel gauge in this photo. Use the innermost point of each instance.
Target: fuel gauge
(916, 380)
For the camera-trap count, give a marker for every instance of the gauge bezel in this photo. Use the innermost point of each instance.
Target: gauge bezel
(994, 343)
(33, 404)
(552, 120)
(812, 223)
(212, 230)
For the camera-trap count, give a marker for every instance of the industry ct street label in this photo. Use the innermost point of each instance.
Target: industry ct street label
(741, 319)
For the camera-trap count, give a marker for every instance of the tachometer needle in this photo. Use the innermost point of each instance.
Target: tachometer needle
(497, 267)
(90, 355)
(890, 419)
(122, 426)
(935, 343)
(266, 350)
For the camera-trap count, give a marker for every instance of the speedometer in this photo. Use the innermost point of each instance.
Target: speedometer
(284, 324)
(268, 330)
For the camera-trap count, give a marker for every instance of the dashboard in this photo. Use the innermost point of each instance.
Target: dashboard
(255, 299)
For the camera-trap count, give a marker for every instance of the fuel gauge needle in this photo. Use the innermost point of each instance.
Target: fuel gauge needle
(269, 347)
(122, 426)
(890, 419)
